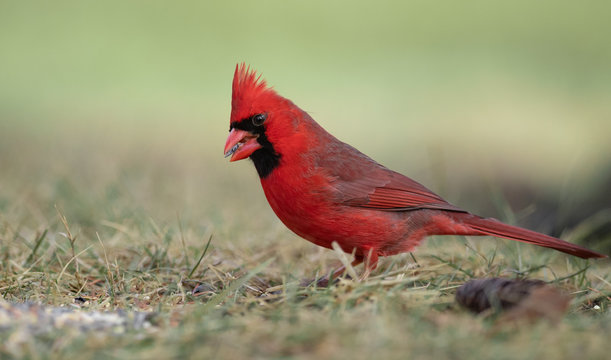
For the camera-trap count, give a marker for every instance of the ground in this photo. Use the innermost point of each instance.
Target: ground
(135, 232)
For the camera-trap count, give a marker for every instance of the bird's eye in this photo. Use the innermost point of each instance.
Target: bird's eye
(259, 119)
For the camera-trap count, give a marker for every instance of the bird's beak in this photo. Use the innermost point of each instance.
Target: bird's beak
(240, 144)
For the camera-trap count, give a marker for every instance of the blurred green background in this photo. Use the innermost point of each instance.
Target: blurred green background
(132, 98)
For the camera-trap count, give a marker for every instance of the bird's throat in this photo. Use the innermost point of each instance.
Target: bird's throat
(265, 161)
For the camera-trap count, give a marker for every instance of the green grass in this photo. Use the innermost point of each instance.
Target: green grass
(135, 230)
(113, 116)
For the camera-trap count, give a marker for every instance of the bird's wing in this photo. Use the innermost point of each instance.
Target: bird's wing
(361, 182)
(396, 195)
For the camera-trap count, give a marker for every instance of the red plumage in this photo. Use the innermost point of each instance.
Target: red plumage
(325, 190)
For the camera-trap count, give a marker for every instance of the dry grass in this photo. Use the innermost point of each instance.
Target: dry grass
(120, 233)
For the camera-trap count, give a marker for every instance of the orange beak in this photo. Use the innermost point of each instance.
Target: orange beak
(240, 144)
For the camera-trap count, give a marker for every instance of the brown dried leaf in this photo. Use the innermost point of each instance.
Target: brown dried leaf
(518, 299)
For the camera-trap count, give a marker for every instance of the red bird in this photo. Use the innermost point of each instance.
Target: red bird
(325, 190)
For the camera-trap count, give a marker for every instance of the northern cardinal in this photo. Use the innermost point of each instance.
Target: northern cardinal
(327, 191)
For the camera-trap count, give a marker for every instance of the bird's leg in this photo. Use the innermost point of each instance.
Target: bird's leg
(371, 262)
(329, 279)
(340, 270)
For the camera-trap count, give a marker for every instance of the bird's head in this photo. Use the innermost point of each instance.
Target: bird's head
(260, 121)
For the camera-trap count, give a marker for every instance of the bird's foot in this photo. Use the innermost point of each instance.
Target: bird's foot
(327, 280)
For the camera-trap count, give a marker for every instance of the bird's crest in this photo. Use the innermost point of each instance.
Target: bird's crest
(247, 86)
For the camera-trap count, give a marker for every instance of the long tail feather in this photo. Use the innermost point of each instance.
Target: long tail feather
(493, 227)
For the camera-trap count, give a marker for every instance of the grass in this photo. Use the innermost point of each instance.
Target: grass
(131, 238)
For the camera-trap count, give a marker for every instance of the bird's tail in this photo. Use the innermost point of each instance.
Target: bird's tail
(493, 227)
